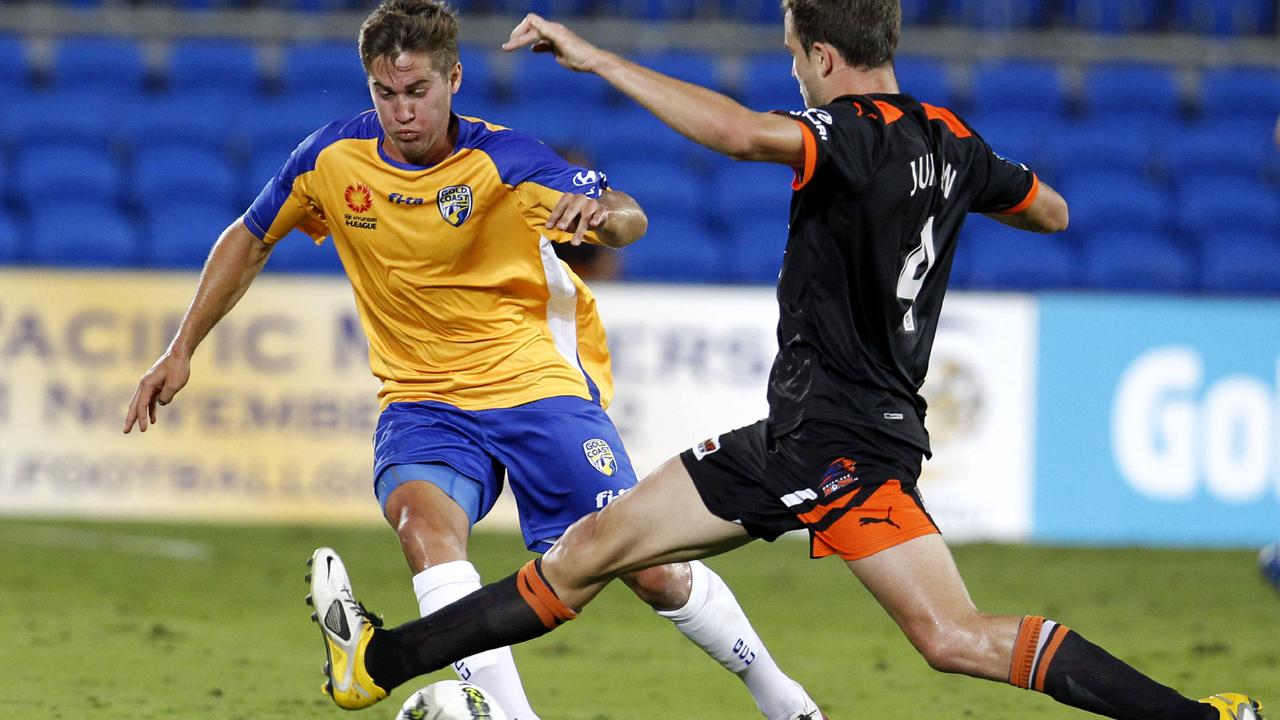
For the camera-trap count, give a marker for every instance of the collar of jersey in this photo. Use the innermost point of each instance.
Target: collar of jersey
(464, 134)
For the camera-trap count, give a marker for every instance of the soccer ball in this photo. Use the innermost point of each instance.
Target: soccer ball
(1269, 563)
(450, 700)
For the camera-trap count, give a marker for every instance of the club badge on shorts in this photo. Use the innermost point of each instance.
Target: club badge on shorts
(455, 204)
(600, 455)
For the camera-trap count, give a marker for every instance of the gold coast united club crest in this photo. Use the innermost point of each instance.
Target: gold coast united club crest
(600, 456)
(455, 204)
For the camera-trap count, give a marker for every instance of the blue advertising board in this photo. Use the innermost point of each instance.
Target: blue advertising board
(1158, 421)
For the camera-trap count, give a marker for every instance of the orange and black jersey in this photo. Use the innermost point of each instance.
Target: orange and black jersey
(886, 185)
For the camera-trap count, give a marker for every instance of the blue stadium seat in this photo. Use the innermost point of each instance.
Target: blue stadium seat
(1014, 87)
(1130, 260)
(699, 68)
(261, 169)
(1115, 16)
(633, 133)
(479, 79)
(13, 57)
(658, 10)
(181, 233)
(1114, 201)
(331, 69)
(917, 12)
(1132, 89)
(72, 171)
(661, 187)
(756, 11)
(756, 245)
(178, 172)
(1026, 137)
(1209, 205)
(1225, 147)
(224, 64)
(287, 121)
(1001, 258)
(548, 8)
(199, 119)
(998, 14)
(298, 253)
(924, 80)
(1241, 93)
(11, 247)
(82, 234)
(1240, 263)
(676, 249)
(1121, 144)
(767, 83)
(538, 77)
(559, 130)
(113, 63)
(758, 189)
(1226, 17)
(89, 116)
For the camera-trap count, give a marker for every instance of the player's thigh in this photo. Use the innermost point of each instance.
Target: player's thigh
(918, 583)
(662, 520)
(564, 459)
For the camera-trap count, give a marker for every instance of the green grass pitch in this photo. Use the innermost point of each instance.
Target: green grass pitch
(134, 622)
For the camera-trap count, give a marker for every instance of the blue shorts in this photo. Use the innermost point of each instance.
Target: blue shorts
(562, 455)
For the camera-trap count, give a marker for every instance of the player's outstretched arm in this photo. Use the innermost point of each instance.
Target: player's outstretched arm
(235, 261)
(1046, 214)
(704, 116)
(615, 217)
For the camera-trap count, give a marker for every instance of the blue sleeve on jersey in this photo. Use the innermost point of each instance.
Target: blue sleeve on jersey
(522, 158)
(266, 206)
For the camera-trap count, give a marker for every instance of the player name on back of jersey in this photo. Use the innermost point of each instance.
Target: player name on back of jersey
(924, 175)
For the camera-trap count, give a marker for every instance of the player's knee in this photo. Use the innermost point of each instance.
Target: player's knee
(945, 646)
(665, 587)
(586, 550)
(428, 540)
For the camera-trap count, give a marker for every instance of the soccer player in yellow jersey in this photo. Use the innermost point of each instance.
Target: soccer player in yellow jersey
(490, 353)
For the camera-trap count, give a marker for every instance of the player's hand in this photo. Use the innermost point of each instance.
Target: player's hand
(158, 386)
(577, 214)
(542, 35)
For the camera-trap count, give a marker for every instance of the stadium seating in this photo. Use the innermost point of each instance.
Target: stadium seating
(81, 233)
(1241, 92)
(1016, 87)
(660, 186)
(1144, 261)
(221, 65)
(1025, 137)
(13, 57)
(676, 249)
(11, 250)
(180, 234)
(925, 80)
(1114, 16)
(328, 70)
(87, 116)
(557, 129)
(1226, 147)
(1240, 263)
(1116, 144)
(189, 117)
(179, 172)
(756, 245)
(1131, 89)
(998, 14)
(1000, 258)
(751, 189)
(630, 133)
(298, 253)
(1210, 205)
(479, 77)
(540, 78)
(1225, 17)
(107, 63)
(767, 83)
(66, 170)
(1102, 201)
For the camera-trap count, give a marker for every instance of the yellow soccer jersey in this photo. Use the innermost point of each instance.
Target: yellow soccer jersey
(457, 285)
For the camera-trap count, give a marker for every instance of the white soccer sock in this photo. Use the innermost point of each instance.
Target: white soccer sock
(715, 622)
(493, 670)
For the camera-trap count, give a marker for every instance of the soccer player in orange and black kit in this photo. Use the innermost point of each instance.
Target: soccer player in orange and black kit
(883, 184)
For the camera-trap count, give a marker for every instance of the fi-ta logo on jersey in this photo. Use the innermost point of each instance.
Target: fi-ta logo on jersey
(600, 456)
(455, 204)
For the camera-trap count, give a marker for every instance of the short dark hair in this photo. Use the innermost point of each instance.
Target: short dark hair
(418, 26)
(865, 32)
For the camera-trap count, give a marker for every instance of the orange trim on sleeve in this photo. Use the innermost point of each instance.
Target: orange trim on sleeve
(948, 118)
(1024, 651)
(891, 114)
(1046, 658)
(1026, 201)
(805, 174)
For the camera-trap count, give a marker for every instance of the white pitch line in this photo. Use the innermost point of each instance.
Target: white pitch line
(168, 548)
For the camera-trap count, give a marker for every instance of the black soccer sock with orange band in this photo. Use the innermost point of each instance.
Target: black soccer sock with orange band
(1052, 659)
(519, 608)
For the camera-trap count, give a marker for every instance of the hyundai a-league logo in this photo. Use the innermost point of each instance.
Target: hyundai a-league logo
(455, 204)
(358, 198)
(600, 455)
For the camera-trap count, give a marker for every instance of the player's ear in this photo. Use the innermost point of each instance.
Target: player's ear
(455, 78)
(826, 56)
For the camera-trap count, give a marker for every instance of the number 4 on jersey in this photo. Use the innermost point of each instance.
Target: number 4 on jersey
(917, 265)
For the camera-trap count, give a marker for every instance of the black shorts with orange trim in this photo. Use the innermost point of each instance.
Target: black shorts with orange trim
(853, 490)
